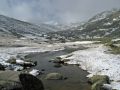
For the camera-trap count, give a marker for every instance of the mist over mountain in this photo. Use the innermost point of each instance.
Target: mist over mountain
(105, 24)
(55, 11)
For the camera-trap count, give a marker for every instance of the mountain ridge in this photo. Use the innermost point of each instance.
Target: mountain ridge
(105, 24)
(13, 27)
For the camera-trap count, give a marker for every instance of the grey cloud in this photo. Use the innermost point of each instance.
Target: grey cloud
(61, 11)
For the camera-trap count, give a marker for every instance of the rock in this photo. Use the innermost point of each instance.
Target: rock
(26, 64)
(30, 82)
(97, 85)
(12, 60)
(57, 65)
(58, 61)
(98, 81)
(106, 87)
(10, 85)
(42, 69)
(65, 60)
(20, 62)
(2, 67)
(54, 76)
(59, 58)
(96, 78)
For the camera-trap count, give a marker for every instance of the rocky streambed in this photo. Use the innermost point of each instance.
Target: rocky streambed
(74, 77)
(64, 76)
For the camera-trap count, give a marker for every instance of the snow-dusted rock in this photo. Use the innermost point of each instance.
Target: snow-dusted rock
(34, 72)
(20, 62)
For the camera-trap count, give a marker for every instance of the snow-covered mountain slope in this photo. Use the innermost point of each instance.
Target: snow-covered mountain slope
(13, 27)
(69, 26)
(105, 24)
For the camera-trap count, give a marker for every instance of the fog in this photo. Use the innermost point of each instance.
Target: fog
(55, 11)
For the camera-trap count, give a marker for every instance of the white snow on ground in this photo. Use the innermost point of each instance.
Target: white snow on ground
(7, 52)
(97, 61)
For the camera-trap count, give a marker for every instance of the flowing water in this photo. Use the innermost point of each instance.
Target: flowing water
(76, 77)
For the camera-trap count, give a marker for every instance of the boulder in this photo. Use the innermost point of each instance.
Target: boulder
(54, 76)
(98, 81)
(12, 60)
(97, 85)
(30, 82)
(96, 78)
(57, 65)
(58, 60)
(2, 67)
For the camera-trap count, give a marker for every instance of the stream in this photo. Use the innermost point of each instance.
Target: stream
(76, 77)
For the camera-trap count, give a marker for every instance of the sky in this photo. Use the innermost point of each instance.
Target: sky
(55, 11)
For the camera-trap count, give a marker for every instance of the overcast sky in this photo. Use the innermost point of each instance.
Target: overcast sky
(55, 11)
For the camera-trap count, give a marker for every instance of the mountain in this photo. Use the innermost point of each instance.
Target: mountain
(105, 24)
(16, 28)
(71, 26)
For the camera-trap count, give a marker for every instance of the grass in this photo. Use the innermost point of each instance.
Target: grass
(114, 49)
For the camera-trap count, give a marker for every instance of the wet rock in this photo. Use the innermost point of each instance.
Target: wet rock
(30, 82)
(65, 60)
(2, 67)
(57, 65)
(65, 78)
(26, 64)
(42, 69)
(12, 60)
(54, 76)
(60, 60)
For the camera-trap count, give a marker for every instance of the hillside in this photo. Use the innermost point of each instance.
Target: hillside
(105, 24)
(16, 28)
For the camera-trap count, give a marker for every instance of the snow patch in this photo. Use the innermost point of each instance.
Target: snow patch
(34, 72)
(97, 62)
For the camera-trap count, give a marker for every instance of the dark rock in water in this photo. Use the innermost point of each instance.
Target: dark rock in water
(58, 61)
(42, 69)
(29, 64)
(50, 61)
(54, 76)
(65, 78)
(2, 67)
(30, 82)
(35, 63)
(57, 65)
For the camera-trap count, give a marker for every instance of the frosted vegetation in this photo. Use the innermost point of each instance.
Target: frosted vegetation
(98, 61)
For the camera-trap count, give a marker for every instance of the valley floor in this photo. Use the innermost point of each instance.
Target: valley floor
(96, 59)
